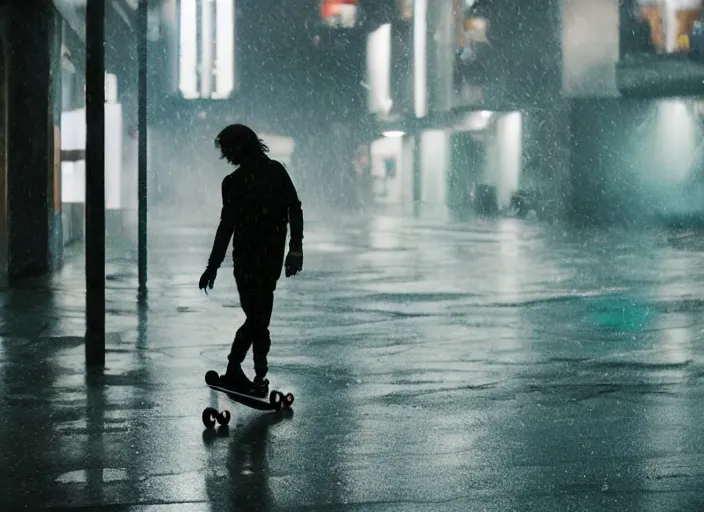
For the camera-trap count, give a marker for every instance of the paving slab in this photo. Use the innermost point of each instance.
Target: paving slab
(437, 365)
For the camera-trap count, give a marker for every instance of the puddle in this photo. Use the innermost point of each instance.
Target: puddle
(187, 309)
(82, 476)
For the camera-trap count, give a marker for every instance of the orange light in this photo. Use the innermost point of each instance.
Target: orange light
(329, 8)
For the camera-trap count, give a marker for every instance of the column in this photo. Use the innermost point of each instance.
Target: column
(30, 138)
(440, 53)
(95, 183)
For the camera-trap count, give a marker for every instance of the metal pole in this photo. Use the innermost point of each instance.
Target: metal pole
(95, 183)
(142, 150)
(417, 172)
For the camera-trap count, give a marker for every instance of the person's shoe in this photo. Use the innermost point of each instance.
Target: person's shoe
(262, 385)
(235, 379)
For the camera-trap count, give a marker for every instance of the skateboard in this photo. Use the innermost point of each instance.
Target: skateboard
(275, 402)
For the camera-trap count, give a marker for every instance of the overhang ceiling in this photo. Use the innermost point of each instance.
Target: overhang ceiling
(73, 11)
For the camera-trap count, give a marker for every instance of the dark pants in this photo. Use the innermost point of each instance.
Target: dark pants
(257, 301)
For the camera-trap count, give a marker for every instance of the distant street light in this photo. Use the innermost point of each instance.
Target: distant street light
(394, 134)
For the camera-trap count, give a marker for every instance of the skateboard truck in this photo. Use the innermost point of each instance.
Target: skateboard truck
(277, 400)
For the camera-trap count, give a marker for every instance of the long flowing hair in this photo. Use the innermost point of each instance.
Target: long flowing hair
(238, 142)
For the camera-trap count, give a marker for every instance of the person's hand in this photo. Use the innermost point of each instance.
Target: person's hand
(207, 280)
(294, 262)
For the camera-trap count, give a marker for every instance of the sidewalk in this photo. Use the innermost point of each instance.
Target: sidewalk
(493, 366)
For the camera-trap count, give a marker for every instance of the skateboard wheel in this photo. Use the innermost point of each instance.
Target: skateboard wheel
(211, 377)
(209, 417)
(224, 418)
(275, 399)
(288, 399)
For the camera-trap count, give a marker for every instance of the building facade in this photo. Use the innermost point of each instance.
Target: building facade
(550, 100)
(42, 132)
(590, 109)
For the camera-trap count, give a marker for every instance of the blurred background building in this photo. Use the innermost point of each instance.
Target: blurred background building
(589, 111)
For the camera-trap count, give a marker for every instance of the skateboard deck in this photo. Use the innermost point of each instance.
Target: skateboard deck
(275, 401)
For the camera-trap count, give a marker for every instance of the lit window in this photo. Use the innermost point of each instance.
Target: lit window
(339, 13)
(671, 23)
(405, 9)
(206, 48)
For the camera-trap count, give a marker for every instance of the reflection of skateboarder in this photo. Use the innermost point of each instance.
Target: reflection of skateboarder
(249, 482)
(259, 200)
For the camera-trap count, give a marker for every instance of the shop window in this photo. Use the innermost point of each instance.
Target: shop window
(664, 27)
(340, 13)
(472, 51)
(472, 37)
(405, 9)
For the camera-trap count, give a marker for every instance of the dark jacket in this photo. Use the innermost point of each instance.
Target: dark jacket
(258, 201)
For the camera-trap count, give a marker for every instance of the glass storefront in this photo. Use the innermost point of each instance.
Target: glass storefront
(663, 27)
(340, 13)
(661, 48)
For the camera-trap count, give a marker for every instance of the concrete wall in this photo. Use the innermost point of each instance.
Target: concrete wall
(636, 161)
(407, 169)
(505, 158)
(435, 163)
(441, 42)
(590, 48)
(546, 152)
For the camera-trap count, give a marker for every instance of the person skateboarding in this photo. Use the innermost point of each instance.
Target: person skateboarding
(259, 200)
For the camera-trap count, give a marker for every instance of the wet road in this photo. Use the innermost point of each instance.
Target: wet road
(477, 366)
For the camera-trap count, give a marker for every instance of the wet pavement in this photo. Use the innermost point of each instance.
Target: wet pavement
(484, 365)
